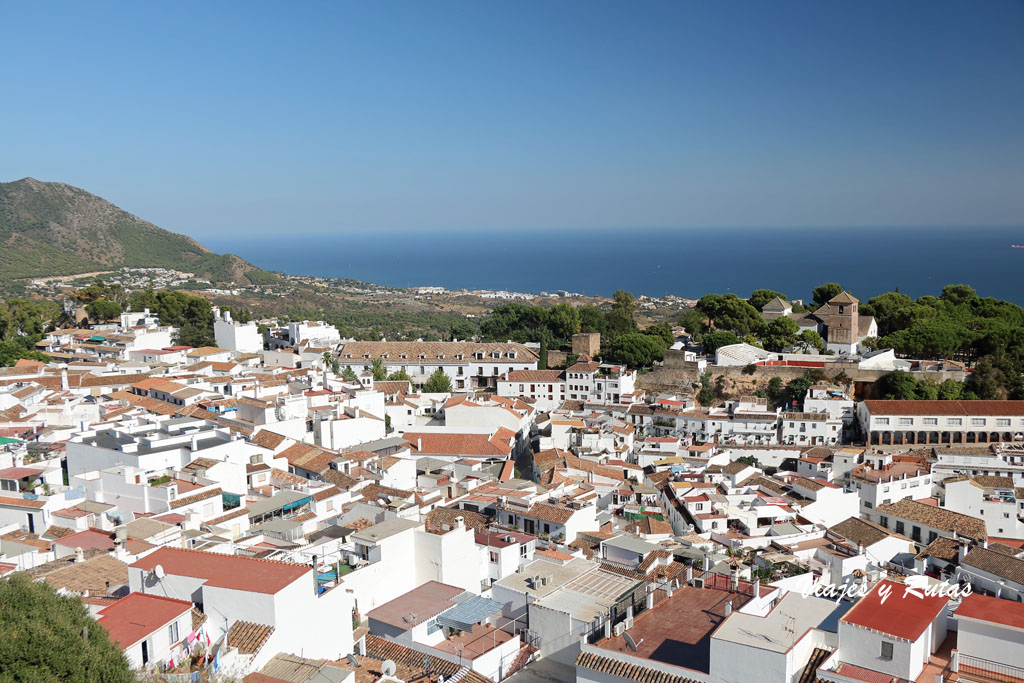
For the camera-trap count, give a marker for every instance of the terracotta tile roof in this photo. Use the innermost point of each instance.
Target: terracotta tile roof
(138, 615)
(942, 548)
(79, 577)
(550, 513)
(308, 457)
(620, 669)
(22, 502)
(450, 351)
(995, 610)
(267, 439)
(237, 512)
(287, 478)
(860, 531)
(936, 517)
(338, 478)
(378, 648)
(195, 498)
(248, 637)
(955, 408)
(991, 482)
(994, 562)
(324, 494)
(477, 445)
(226, 571)
(901, 616)
(438, 517)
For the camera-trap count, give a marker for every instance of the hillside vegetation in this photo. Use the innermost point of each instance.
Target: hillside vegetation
(56, 229)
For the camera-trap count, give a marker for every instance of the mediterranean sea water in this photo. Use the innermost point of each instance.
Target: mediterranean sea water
(685, 262)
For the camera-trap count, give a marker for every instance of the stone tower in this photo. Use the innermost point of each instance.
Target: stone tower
(586, 344)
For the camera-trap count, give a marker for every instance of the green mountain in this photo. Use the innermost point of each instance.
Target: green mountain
(56, 229)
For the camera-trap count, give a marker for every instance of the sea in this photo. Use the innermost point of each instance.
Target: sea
(684, 262)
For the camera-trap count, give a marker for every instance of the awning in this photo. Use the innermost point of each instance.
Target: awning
(472, 611)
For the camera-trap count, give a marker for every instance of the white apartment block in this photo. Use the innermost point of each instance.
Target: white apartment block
(992, 499)
(881, 480)
(810, 429)
(235, 336)
(589, 382)
(821, 398)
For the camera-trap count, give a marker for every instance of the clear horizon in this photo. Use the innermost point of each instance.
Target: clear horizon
(257, 118)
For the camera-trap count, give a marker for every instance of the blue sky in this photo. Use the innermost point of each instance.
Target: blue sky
(226, 118)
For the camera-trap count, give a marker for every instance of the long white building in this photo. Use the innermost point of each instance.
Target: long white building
(938, 422)
(469, 365)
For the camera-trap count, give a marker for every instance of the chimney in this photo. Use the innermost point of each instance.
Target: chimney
(79, 554)
(195, 442)
(419, 443)
(650, 599)
(460, 522)
(757, 588)
(316, 584)
(689, 575)
(728, 608)
(64, 385)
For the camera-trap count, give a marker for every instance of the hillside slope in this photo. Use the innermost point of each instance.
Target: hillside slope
(57, 229)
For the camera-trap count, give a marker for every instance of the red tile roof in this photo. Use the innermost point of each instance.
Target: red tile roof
(902, 615)
(90, 538)
(137, 615)
(994, 610)
(981, 408)
(226, 571)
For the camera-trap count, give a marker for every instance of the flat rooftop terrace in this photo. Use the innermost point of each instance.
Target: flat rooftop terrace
(677, 631)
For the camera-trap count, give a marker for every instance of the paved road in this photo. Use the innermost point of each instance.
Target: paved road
(544, 671)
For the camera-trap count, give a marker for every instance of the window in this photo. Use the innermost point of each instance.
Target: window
(886, 651)
(522, 550)
(954, 421)
(1003, 422)
(931, 420)
(494, 557)
(899, 527)
(172, 632)
(906, 420)
(932, 536)
(882, 420)
(978, 421)
(432, 626)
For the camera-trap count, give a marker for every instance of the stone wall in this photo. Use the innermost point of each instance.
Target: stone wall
(681, 376)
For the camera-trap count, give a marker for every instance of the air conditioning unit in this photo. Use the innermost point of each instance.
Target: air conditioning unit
(628, 623)
(619, 629)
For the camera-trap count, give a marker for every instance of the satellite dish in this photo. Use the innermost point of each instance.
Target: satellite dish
(388, 668)
(158, 571)
(629, 641)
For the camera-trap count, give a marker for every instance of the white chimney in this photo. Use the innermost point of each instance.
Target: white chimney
(419, 443)
(728, 608)
(64, 385)
(79, 554)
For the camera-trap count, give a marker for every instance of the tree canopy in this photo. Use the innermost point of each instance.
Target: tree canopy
(49, 637)
(825, 292)
(438, 383)
(759, 297)
(729, 312)
(637, 350)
